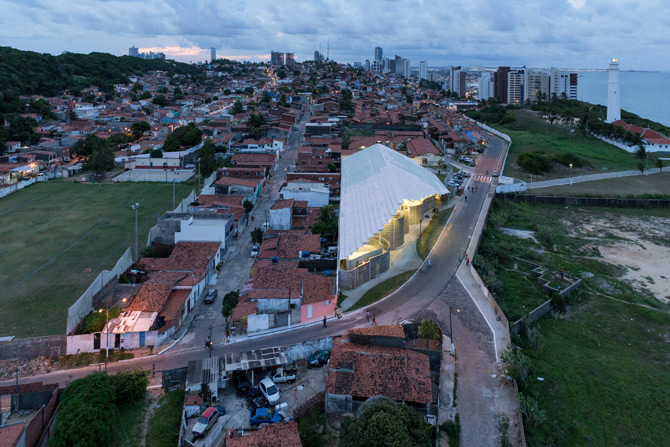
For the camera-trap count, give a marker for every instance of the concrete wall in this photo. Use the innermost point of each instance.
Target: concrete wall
(307, 348)
(84, 305)
(16, 187)
(319, 310)
(281, 219)
(27, 348)
(274, 305)
(258, 322)
(315, 199)
(587, 201)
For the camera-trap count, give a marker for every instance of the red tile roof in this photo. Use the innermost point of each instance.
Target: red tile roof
(399, 374)
(391, 330)
(421, 146)
(284, 434)
(318, 288)
(186, 257)
(227, 181)
(10, 435)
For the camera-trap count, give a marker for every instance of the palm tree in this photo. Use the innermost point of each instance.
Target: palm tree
(255, 121)
(641, 152)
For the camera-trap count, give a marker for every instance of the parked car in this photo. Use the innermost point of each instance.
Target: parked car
(464, 173)
(264, 416)
(211, 296)
(496, 173)
(254, 250)
(319, 358)
(269, 390)
(283, 376)
(266, 226)
(452, 184)
(206, 420)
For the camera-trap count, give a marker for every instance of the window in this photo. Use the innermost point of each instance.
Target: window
(327, 302)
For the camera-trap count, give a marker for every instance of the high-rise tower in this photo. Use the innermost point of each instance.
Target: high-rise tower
(213, 54)
(613, 99)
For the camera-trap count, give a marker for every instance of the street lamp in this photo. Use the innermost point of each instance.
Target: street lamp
(136, 207)
(570, 173)
(451, 331)
(107, 328)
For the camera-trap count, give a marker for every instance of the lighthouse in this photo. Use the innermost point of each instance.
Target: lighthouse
(613, 99)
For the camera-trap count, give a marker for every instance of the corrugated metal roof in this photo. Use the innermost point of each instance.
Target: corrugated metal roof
(375, 182)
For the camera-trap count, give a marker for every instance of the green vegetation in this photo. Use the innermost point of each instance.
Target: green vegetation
(164, 425)
(383, 422)
(532, 134)
(326, 224)
(207, 156)
(89, 358)
(129, 386)
(382, 289)
(30, 73)
(183, 138)
(85, 413)
(602, 353)
(346, 103)
(429, 329)
(453, 430)
(257, 235)
(56, 237)
(99, 153)
(314, 430)
(228, 304)
(654, 186)
(431, 234)
(95, 321)
(128, 422)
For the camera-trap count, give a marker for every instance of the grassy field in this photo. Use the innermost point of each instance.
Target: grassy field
(653, 185)
(164, 425)
(432, 233)
(603, 362)
(55, 237)
(529, 133)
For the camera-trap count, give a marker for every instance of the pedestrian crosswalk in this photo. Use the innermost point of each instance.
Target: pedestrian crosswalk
(483, 178)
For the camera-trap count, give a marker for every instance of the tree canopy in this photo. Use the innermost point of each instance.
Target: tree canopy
(326, 224)
(183, 138)
(384, 423)
(207, 156)
(85, 416)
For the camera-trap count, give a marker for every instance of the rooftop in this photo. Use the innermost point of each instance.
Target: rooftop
(366, 371)
(267, 436)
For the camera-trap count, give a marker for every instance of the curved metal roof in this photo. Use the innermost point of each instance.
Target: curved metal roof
(375, 182)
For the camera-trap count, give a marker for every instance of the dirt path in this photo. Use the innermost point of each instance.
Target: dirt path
(152, 397)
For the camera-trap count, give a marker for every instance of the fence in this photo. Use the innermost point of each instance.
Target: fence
(587, 201)
(16, 187)
(155, 175)
(28, 348)
(492, 301)
(84, 305)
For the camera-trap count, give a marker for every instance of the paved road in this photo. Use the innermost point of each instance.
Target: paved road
(433, 290)
(587, 178)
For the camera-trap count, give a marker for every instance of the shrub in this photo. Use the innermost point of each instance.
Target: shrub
(453, 430)
(534, 162)
(507, 119)
(429, 329)
(566, 159)
(86, 413)
(129, 386)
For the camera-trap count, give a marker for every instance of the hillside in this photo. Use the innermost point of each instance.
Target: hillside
(30, 73)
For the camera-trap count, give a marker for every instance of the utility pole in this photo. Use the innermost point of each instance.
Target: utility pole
(199, 178)
(107, 329)
(136, 207)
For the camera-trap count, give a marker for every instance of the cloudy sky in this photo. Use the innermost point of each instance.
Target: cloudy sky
(539, 33)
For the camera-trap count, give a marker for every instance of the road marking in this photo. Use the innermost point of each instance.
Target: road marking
(483, 178)
(495, 345)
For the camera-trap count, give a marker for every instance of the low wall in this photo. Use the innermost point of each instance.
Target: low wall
(492, 301)
(305, 349)
(587, 201)
(16, 187)
(27, 348)
(84, 305)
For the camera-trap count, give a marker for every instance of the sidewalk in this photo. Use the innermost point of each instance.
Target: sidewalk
(587, 178)
(501, 335)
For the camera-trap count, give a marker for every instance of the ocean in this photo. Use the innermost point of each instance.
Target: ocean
(646, 94)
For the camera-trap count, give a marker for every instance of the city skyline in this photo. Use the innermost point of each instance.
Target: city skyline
(570, 34)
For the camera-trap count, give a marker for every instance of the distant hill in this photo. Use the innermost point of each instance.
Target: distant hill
(30, 73)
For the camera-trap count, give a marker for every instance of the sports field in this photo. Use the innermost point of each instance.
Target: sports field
(55, 237)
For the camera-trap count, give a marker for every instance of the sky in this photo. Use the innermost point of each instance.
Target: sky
(535, 33)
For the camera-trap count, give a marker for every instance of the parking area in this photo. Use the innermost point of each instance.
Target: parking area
(309, 383)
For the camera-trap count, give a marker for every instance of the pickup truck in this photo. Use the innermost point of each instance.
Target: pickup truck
(283, 376)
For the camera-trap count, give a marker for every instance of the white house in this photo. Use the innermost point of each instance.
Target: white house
(315, 194)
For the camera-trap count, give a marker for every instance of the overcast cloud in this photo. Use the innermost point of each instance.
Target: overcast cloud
(539, 33)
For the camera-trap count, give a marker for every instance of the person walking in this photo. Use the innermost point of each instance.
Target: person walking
(429, 264)
(374, 320)
(367, 316)
(324, 321)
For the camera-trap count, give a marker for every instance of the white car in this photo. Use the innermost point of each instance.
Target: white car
(254, 250)
(269, 390)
